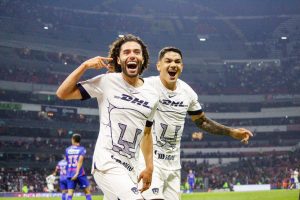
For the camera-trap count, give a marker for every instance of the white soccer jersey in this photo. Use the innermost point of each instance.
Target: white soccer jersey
(124, 111)
(50, 179)
(169, 121)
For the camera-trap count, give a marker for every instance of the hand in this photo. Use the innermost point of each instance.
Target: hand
(241, 134)
(110, 68)
(74, 177)
(97, 62)
(146, 175)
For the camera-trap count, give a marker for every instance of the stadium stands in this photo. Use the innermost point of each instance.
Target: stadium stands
(245, 73)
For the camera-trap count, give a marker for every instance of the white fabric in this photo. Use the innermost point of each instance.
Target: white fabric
(116, 184)
(165, 185)
(169, 121)
(50, 182)
(124, 111)
(296, 175)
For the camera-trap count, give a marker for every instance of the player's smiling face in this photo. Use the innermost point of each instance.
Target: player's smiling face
(131, 58)
(170, 67)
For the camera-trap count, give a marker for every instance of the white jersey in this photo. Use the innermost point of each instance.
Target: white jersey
(169, 121)
(50, 179)
(295, 176)
(124, 111)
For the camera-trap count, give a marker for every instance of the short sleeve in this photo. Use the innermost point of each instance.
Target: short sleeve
(92, 88)
(83, 152)
(194, 107)
(151, 116)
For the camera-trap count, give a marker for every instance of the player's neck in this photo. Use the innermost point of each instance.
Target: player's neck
(170, 86)
(133, 81)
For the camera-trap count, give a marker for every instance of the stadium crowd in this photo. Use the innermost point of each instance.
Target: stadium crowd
(29, 29)
(268, 169)
(266, 81)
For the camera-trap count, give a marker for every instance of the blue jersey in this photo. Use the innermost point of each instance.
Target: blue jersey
(62, 168)
(72, 155)
(191, 178)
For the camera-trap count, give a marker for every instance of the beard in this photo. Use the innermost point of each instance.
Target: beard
(131, 72)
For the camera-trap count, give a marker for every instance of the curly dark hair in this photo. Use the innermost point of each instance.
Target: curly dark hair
(115, 47)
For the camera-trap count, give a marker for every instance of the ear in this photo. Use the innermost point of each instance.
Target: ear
(119, 61)
(158, 66)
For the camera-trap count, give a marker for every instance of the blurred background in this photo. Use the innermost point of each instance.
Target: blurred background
(242, 57)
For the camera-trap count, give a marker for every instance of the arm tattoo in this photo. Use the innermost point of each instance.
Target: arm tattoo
(211, 126)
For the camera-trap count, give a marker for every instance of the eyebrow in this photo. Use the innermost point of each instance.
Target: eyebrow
(177, 59)
(131, 50)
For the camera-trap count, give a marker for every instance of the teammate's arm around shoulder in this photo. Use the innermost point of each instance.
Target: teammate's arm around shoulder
(68, 89)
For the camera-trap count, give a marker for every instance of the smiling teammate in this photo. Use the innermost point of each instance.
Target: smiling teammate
(127, 106)
(176, 100)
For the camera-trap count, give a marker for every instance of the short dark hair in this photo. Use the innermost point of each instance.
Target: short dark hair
(115, 47)
(164, 50)
(76, 137)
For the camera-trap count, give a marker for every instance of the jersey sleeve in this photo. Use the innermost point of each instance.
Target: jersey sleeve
(82, 152)
(194, 107)
(91, 88)
(151, 116)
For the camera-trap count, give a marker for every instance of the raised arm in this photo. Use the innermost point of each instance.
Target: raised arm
(214, 127)
(68, 89)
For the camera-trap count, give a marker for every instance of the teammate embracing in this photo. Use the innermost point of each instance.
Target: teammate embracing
(176, 100)
(126, 105)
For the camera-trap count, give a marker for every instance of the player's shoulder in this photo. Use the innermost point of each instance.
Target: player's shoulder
(152, 80)
(108, 76)
(185, 87)
(62, 162)
(151, 83)
(82, 147)
(69, 147)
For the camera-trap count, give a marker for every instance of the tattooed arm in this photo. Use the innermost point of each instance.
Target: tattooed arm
(214, 127)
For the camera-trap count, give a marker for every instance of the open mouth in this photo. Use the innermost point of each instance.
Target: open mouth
(131, 65)
(172, 74)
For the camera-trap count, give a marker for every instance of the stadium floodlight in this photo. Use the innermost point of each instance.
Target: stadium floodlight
(121, 35)
(46, 27)
(283, 37)
(202, 39)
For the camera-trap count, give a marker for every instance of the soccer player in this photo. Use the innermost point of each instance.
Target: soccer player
(61, 167)
(75, 171)
(296, 180)
(176, 100)
(126, 105)
(191, 180)
(50, 182)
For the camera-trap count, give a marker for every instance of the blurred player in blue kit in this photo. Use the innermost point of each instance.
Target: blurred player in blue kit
(75, 172)
(61, 167)
(191, 179)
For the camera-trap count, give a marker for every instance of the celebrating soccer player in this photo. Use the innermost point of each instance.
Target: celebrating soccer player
(177, 98)
(127, 106)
